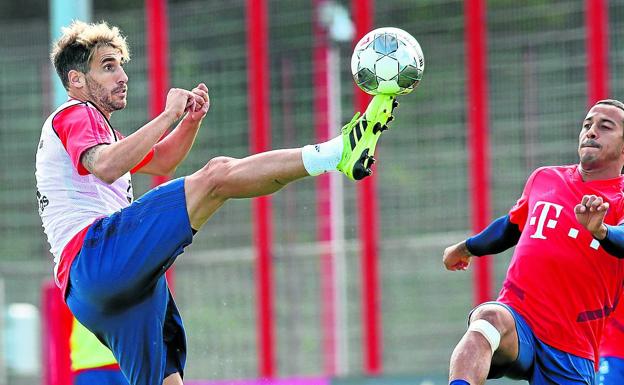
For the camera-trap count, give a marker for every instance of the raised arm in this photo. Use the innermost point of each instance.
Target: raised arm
(499, 236)
(171, 151)
(591, 213)
(110, 161)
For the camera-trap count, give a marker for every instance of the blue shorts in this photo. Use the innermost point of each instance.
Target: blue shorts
(100, 377)
(117, 287)
(611, 371)
(541, 364)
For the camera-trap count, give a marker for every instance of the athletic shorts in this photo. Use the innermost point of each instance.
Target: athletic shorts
(541, 364)
(611, 371)
(117, 287)
(99, 377)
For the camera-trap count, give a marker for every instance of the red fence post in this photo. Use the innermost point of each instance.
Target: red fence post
(363, 13)
(157, 36)
(597, 47)
(56, 324)
(478, 142)
(259, 136)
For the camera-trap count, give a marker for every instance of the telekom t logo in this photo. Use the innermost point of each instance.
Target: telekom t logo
(541, 221)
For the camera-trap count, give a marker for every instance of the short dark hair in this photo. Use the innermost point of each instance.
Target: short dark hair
(611, 102)
(74, 57)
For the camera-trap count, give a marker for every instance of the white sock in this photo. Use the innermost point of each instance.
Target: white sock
(322, 157)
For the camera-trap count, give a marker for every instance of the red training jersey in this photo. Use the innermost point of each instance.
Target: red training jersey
(560, 279)
(612, 344)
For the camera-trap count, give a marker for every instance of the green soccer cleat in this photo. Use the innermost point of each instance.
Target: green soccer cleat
(360, 137)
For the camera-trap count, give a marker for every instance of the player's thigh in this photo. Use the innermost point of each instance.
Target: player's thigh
(147, 337)
(553, 367)
(503, 320)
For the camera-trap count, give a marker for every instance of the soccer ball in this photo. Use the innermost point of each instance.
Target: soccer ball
(387, 61)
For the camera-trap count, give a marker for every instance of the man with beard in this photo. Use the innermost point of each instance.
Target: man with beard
(565, 278)
(111, 252)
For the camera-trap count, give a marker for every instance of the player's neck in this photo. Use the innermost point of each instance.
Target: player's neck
(590, 174)
(83, 97)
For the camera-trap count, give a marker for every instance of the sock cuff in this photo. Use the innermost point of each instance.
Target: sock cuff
(309, 154)
(459, 382)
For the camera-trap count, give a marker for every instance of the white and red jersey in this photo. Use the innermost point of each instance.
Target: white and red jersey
(560, 279)
(70, 198)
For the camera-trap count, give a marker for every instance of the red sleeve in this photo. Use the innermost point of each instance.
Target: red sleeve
(81, 127)
(520, 211)
(143, 162)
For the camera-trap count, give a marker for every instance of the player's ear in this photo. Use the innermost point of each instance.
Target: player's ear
(76, 79)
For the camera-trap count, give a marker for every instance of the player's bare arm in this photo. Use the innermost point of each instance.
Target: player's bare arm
(591, 213)
(112, 161)
(90, 156)
(173, 149)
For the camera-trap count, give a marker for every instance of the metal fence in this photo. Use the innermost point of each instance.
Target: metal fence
(537, 98)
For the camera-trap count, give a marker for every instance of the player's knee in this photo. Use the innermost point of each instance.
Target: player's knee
(492, 322)
(214, 177)
(496, 315)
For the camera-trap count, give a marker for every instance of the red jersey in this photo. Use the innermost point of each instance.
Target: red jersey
(612, 344)
(560, 279)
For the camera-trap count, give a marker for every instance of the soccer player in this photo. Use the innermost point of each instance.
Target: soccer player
(92, 362)
(111, 252)
(611, 368)
(565, 277)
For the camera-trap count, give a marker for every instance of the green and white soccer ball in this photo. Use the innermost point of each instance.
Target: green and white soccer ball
(387, 61)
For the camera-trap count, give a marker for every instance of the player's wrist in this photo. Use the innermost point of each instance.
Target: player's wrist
(465, 250)
(170, 116)
(601, 233)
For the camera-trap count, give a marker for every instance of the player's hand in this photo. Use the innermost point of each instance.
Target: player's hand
(591, 213)
(457, 257)
(202, 103)
(179, 101)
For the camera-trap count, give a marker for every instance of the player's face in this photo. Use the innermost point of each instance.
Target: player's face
(107, 82)
(601, 140)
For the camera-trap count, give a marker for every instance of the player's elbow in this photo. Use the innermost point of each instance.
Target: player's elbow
(106, 178)
(166, 171)
(162, 169)
(107, 173)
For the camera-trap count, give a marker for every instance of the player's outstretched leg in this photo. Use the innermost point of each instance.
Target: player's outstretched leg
(360, 137)
(261, 174)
